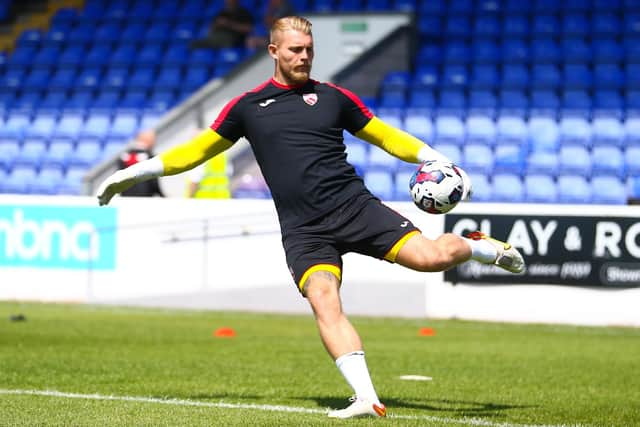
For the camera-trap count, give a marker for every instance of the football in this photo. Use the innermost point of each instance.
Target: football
(436, 187)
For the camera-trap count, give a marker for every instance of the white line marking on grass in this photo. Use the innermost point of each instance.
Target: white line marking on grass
(271, 408)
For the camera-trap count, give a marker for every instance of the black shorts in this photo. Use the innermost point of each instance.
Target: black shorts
(363, 225)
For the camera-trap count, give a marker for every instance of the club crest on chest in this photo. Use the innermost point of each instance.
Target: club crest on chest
(310, 98)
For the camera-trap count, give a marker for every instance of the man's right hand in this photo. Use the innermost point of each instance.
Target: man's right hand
(116, 183)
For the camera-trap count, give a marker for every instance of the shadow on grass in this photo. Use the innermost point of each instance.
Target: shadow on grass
(457, 407)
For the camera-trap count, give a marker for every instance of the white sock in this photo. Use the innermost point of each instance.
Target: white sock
(354, 369)
(482, 251)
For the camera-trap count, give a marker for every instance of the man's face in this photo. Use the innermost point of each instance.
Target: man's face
(293, 52)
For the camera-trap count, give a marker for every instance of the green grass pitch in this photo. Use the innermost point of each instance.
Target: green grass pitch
(85, 365)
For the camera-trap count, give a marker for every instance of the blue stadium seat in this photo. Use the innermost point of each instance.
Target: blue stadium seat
(514, 26)
(141, 78)
(108, 31)
(124, 125)
(357, 154)
(477, 158)
(632, 161)
(86, 154)
(429, 25)
(485, 51)
(449, 129)
(396, 80)
(576, 102)
(607, 51)
(68, 126)
(632, 76)
(401, 185)
(37, 79)
(575, 50)
(486, 26)
(176, 54)
(608, 76)
(72, 56)
(166, 11)
(231, 55)
(542, 162)
(544, 102)
(456, 52)
(575, 25)
(608, 190)
(482, 102)
(507, 187)
(515, 76)
(161, 99)
(545, 50)
(484, 76)
(480, 130)
(393, 99)
(632, 103)
(575, 131)
(457, 27)
(452, 102)
(9, 149)
(46, 58)
(545, 25)
(429, 54)
(47, 181)
(509, 158)
(123, 55)
(19, 180)
(577, 76)
(451, 151)
(545, 76)
(380, 159)
(575, 6)
(515, 51)
(575, 160)
(482, 191)
(421, 98)
(96, 126)
(511, 130)
(513, 103)
(13, 128)
(41, 128)
(133, 31)
(573, 189)
(149, 56)
(609, 161)
(425, 77)
(31, 153)
(380, 183)
(631, 49)
(419, 126)
(540, 188)
(454, 76)
(58, 153)
(546, 7)
(544, 134)
(607, 131)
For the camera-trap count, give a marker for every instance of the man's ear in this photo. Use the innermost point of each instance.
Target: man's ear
(272, 50)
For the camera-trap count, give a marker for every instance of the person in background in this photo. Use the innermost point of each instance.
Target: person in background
(229, 28)
(141, 150)
(210, 180)
(275, 10)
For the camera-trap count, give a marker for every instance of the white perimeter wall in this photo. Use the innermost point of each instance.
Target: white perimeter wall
(161, 259)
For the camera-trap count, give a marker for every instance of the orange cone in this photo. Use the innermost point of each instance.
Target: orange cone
(224, 333)
(427, 332)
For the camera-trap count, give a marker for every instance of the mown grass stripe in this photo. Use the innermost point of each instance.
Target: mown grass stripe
(254, 406)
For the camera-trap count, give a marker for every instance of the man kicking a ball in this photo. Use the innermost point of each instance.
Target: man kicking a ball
(295, 127)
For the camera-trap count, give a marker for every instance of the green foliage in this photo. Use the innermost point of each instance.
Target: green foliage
(485, 374)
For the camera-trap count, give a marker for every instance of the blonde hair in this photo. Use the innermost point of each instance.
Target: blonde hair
(295, 23)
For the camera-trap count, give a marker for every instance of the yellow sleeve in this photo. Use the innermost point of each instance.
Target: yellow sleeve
(183, 157)
(392, 140)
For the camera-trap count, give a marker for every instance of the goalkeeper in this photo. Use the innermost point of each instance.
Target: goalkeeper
(294, 125)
